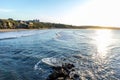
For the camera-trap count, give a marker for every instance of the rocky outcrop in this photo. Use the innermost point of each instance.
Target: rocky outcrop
(64, 72)
(29, 24)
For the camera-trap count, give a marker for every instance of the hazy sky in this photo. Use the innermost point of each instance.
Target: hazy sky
(75, 12)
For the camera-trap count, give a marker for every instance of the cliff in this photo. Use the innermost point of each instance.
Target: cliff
(30, 24)
(36, 24)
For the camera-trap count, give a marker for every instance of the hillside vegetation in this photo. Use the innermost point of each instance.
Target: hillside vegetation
(36, 24)
(30, 24)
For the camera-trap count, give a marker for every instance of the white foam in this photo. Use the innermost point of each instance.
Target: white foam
(16, 34)
(52, 61)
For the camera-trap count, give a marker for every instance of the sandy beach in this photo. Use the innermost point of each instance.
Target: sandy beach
(11, 30)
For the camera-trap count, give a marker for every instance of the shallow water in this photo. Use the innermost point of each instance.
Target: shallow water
(95, 53)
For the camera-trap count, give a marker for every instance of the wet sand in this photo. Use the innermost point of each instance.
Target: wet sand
(12, 30)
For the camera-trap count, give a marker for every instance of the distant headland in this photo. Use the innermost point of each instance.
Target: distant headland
(37, 24)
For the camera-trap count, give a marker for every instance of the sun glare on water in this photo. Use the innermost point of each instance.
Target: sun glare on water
(103, 39)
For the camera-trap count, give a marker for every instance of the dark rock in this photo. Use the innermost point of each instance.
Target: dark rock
(63, 73)
(76, 77)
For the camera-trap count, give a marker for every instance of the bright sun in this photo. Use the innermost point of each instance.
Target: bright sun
(95, 12)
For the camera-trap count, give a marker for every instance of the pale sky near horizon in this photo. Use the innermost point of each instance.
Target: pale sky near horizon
(73, 12)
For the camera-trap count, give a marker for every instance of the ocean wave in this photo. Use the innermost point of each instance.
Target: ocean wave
(18, 34)
(85, 67)
(63, 36)
(13, 35)
(82, 35)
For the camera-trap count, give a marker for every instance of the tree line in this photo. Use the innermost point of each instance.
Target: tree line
(30, 24)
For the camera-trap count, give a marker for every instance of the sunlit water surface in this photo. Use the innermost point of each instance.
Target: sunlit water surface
(95, 53)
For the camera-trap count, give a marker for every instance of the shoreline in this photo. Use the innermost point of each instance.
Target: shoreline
(14, 30)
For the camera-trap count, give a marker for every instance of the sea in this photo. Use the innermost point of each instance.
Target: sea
(94, 52)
